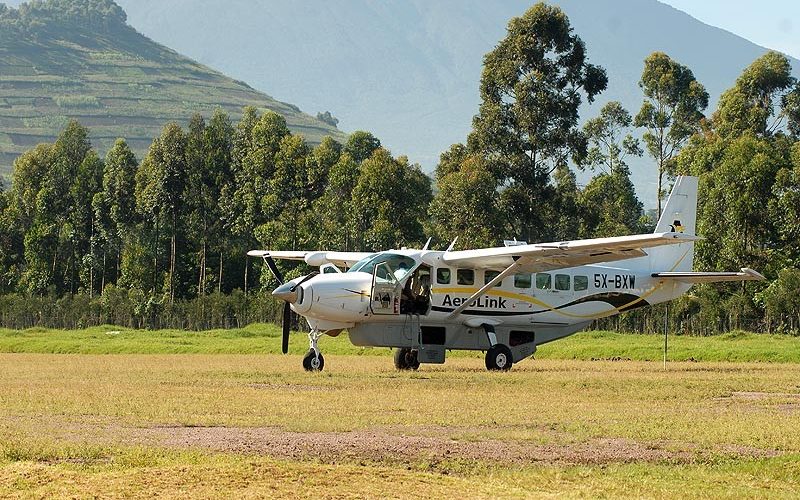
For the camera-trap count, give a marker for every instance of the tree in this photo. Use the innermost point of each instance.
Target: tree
(604, 134)
(390, 202)
(671, 112)
(527, 123)
(328, 118)
(330, 220)
(465, 205)
(160, 190)
(360, 145)
(116, 206)
(750, 104)
(82, 221)
(609, 206)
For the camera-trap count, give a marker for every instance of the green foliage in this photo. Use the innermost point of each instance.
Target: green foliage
(609, 206)
(671, 112)
(750, 104)
(360, 145)
(465, 205)
(527, 123)
(608, 148)
(781, 301)
(390, 203)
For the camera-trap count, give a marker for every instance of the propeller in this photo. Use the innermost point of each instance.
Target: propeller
(288, 295)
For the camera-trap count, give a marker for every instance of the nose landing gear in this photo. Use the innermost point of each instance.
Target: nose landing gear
(313, 360)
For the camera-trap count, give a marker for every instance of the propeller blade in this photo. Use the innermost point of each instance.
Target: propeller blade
(306, 278)
(287, 319)
(272, 267)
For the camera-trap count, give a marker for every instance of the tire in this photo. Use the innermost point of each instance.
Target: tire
(312, 362)
(499, 358)
(406, 359)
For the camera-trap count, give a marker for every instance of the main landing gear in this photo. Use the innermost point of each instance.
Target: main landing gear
(406, 359)
(498, 357)
(313, 360)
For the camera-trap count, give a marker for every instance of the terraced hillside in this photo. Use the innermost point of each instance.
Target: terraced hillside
(63, 59)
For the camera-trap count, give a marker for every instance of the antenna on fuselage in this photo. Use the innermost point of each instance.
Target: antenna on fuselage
(427, 244)
(452, 245)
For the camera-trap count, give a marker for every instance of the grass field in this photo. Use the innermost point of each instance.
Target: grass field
(264, 339)
(208, 425)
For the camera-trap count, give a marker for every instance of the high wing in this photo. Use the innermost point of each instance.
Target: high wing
(547, 256)
(314, 258)
(746, 274)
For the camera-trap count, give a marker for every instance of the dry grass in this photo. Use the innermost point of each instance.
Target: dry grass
(257, 425)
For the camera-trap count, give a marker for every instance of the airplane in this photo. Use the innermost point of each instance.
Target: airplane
(505, 301)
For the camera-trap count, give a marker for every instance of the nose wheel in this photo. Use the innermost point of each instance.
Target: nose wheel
(313, 360)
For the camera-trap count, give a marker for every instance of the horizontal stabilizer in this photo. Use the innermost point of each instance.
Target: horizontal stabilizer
(746, 274)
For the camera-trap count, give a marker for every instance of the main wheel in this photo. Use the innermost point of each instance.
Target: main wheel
(406, 359)
(313, 362)
(499, 358)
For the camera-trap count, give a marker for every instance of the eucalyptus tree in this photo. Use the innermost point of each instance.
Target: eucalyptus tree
(82, 222)
(765, 99)
(115, 204)
(465, 204)
(610, 142)
(671, 112)
(390, 203)
(160, 195)
(531, 89)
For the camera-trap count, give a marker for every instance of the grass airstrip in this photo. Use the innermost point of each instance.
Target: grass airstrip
(111, 412)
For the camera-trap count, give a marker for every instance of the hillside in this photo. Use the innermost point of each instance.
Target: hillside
(64, 59)
(408, 70)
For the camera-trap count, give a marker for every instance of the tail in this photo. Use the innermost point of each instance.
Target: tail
(679, 215)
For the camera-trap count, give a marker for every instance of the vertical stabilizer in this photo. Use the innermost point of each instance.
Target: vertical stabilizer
(679, 215)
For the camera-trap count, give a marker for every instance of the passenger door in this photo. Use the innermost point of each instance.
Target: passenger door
(385, 296)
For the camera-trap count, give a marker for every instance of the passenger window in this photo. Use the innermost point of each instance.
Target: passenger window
(581, 283)
(443, 276)
(522, 280)
(562, 282)
(465, 276)
(489, 276)
(543, 281)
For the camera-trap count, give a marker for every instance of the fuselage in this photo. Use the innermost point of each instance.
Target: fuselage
(561, 297)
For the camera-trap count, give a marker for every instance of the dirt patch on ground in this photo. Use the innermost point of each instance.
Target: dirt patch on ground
(372, 445)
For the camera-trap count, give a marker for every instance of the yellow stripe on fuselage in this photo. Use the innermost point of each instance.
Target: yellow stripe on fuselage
(551, 308)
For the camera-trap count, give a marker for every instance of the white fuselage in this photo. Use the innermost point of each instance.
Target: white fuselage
(558, 298)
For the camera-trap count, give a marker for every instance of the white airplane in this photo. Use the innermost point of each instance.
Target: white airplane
(505, 301)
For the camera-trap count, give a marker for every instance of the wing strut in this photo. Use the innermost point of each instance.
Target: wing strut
(488, 286)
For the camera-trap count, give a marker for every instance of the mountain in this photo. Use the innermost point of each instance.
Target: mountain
(408, 70)
(63, 59)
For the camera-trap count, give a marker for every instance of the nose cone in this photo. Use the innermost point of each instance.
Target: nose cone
(285, 292)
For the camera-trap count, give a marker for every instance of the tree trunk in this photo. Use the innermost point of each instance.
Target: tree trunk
(103, 275)
(219, 285)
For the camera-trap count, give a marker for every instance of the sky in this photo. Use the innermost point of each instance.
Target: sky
(774, 24)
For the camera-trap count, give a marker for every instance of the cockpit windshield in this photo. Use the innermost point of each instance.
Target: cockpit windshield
(399, 265)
